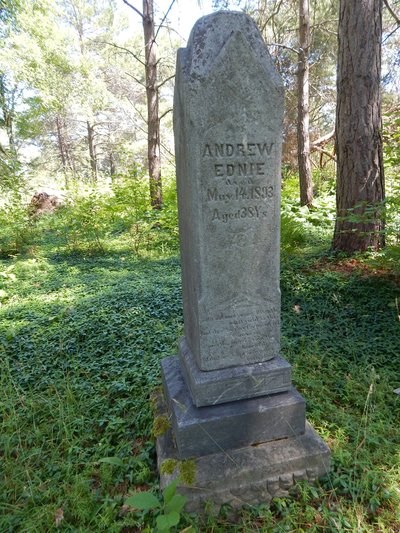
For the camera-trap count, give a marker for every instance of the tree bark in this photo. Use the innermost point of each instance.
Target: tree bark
(303, 112)
(67, 158)
(153, 122)
(62, 149)
(92, 151)
(360, 177)
(111, 160)
(7, 104)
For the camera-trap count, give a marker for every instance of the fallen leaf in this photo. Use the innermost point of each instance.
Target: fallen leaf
(125, 509)
(59, 516)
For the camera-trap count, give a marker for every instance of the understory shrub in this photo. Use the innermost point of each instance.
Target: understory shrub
(82, 221)
(89, 218)
(17, 229)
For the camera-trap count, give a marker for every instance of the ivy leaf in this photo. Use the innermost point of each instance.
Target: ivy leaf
(166, 521)
(169, 491)
(143, 501)
(116, 461)
(176, 504)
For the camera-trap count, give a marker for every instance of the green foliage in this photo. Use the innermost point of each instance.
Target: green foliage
(80, 343)
(11, 177)
(17, 229)
(391, 138)
(83, 222)
(392, 216)
(130, 199)
(391, 152)
(293, 234)
(169, 506)
(81, 338)
(324, 181)
(300, 225)
(116, 461)
(68, 79)
(89, 218)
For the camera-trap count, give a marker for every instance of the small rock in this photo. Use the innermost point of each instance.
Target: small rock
(42, 202)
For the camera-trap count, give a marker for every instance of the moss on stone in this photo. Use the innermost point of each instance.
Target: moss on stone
(187, 472)
(156, 399)
(168, 466)
(160, 425)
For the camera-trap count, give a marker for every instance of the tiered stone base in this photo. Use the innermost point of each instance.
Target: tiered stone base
(242, 452)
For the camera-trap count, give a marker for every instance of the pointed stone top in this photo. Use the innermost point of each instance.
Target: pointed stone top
(211, 33)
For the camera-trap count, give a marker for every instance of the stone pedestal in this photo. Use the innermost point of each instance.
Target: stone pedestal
(250, 475)
(228, 394)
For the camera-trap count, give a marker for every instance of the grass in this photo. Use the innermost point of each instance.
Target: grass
(81, 339)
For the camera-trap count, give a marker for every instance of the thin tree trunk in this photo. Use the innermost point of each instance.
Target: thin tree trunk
(111, 160)
(7, 107)
(62, 149)
(303, 113)
(360, 177)
(153, 122)
(92, 152)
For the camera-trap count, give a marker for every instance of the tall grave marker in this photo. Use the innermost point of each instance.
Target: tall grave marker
(229, 389)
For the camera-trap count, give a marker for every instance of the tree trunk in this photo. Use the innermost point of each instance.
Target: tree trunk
(66, 155)
(92, 152)
(62, 149)
(303, 113)
(153, 122)
(7, 104)
(360, 178)
(113, 169)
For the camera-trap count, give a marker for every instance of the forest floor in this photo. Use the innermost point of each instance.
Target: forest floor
(81, 339)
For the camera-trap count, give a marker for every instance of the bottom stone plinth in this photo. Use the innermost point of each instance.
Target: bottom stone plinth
(251, 475)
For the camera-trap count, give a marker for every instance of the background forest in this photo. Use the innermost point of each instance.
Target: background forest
(78, 80)
(90, 295)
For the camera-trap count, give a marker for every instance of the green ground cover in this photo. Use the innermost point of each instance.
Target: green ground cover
(83, 329)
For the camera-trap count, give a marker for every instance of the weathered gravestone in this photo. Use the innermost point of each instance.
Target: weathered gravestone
(229, 395)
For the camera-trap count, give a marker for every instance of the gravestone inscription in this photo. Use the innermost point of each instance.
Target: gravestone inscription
(229, 182)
